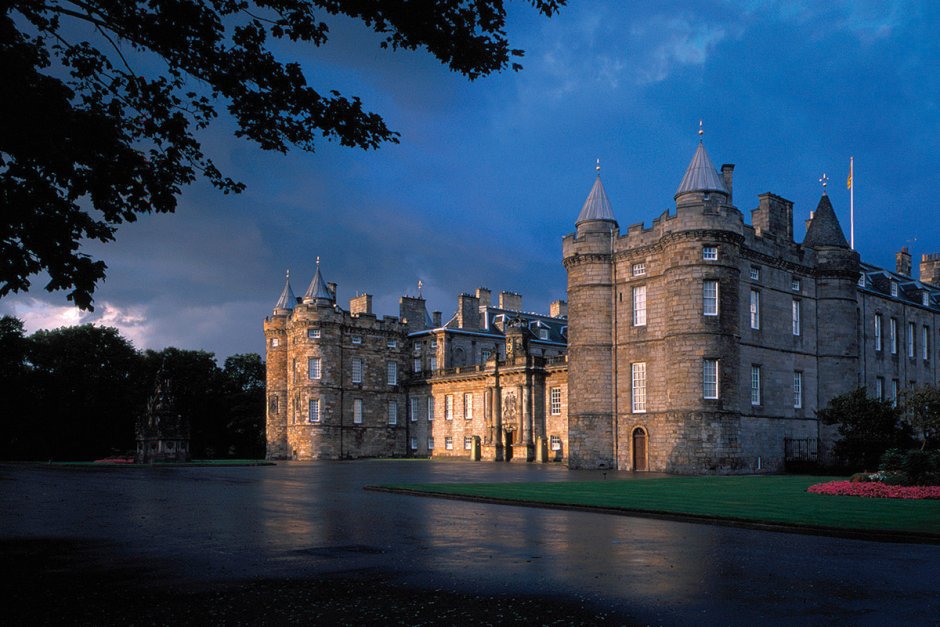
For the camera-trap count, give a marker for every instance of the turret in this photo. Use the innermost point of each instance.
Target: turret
(701, 181)
(319, 292)
(276, 343)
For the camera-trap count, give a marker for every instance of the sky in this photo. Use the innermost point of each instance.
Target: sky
(491, 174)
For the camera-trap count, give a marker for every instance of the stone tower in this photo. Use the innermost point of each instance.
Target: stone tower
(275, 336)
(588, 258)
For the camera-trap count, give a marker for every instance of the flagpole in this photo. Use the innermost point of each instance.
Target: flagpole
(852, 200)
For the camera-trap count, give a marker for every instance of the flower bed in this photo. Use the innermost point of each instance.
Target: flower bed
(873, 489)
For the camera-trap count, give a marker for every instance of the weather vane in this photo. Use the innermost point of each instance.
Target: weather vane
(825, 181)
(288, 274)
(420, 285)
(701, 131)
(318, 261)
(598, 167)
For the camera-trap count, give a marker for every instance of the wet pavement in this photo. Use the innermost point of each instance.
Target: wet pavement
(195, 531)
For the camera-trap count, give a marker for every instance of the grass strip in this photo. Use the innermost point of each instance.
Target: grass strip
(776, 500)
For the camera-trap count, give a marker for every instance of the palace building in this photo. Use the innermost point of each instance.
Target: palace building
(697, 344)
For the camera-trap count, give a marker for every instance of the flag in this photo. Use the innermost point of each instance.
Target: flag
(848, 183)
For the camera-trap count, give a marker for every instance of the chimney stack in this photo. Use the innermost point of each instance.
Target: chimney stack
(558, 309)
(510, 301)
(902, 262)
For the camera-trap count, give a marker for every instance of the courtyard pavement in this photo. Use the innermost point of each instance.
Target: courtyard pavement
(303, 543)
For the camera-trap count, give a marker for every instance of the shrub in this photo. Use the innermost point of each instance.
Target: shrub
(917, 467)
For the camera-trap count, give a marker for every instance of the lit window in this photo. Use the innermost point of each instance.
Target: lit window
(392, 344)
(467, 442)
(449, 443)
(755, 309)
(357, 370)
(314, 415)
(879, 345)
(710, 378)
(449, 407)
(755, 273)
(414, 444)
(275, 342)
(638, 392)
(313, 334)
(417, 364)
(710, 253)
(796, 317)
(392, 371)
(710, 298)
(393, 412)
(797, 390)
(911, 328)
(639, 306)
(413, 410)
(430, 444)
(893, 335)
(313, 368)
(639, 269)
(894, 289)
(555, 401)
(468, 406)
(357, 411)
(795, 284)
(755, 385)
(555, 442)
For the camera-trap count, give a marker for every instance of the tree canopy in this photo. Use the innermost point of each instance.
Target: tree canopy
(104, 99)
(867, 428)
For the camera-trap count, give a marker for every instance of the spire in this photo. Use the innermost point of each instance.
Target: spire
(823, 228)
(317, 288)
(287, 299)
(701, 175)
(596, 207)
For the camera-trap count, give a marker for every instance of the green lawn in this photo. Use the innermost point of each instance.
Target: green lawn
(761, 499)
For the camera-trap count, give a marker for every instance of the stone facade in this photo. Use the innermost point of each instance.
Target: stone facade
(697, 344)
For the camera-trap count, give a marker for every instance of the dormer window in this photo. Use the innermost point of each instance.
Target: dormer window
(894, 288)
(925, 299)
(543, 334)
(861, 281)
(710, 253)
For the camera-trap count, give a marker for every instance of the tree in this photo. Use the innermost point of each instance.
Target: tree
(103, 100)
(921, 410)
(244, 395)
(868, 427)
(14, 385)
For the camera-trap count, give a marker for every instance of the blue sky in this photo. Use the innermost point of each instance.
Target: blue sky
(490, 175)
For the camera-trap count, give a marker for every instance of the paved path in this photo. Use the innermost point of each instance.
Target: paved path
(270, 531)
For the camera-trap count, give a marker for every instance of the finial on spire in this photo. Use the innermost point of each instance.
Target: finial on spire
(288, 274)
(420, 285)
(825, 181)
(701, 130)
(597, 167)
(318, 261)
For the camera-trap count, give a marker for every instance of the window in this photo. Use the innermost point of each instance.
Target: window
(275, 342)
(795, 284)
(392, 371)
(413, 410)
(924, 300)
(314, 415)
(894, 392)
(755, 273)
(433, 363)
(797, 390)
(861, 281)
(543, 334)
(755, 309)
(638, 391)
(796, 317)
(879, 344)
(639, 306)
(710, 253)
(273, 405)
(485, 356)
(755, 385)
(893, 335)
(467, 442)
(925, 343)
(555, 401)
(392, 343)
(449, 407)
(357, 339)
(555, 442)
(393, 412)
(433, 343)
(468, 406)
(357, 411)
(417, 364)
(449, 443)
(710, 298)
(430, 408)
(639, 269)
(313, 368)
(880, 388)
(710, 378)
(357, 370)
(430, 444)
(313, 334)
(911, 328)
(894, 289)
(414, 444)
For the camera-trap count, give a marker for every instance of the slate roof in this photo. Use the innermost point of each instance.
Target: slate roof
(701, 175)
(910, 290)
(287, 299)
(317, 288)
(596, 207)
(824, 229)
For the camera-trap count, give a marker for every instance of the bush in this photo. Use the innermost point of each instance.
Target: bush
(916, 466)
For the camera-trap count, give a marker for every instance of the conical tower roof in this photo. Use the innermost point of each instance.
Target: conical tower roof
(287, 298)
(596, 207)
(824, 229)
(317, 288)
(701, 175)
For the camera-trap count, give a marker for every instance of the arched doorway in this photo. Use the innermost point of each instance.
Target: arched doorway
(640, 450)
